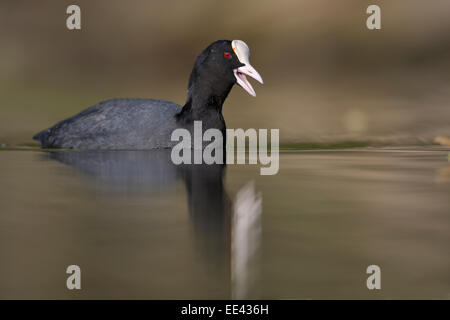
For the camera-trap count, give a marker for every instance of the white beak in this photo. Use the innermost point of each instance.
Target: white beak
(243, 53)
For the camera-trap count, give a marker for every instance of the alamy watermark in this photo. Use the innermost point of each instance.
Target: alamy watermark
(374, 280)
(373, 22)
(212, 153)
(73, 21)
(74, 280)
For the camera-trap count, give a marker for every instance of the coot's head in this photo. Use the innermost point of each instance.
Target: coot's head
(224, 63)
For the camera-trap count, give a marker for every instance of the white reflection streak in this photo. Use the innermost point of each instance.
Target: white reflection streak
(246, 234)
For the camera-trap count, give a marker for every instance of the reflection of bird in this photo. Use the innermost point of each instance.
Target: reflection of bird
(245, 240)
(142, 172)
(123, 170)
(148, 123)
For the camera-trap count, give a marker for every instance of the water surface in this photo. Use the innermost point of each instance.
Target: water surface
(140, 227)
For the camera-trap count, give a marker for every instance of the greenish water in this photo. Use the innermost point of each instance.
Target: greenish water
(140, 227)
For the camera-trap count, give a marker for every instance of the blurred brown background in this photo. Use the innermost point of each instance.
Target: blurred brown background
(327, 77)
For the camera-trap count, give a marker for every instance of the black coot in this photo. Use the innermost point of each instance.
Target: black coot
(146, 123)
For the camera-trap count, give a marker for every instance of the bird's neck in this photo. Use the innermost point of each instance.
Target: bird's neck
(205, 99)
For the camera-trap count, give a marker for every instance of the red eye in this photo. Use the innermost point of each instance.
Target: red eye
(227, 55)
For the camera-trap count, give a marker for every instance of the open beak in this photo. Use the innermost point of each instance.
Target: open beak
(243, 53)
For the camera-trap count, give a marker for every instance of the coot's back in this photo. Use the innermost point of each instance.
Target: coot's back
(115, 124)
